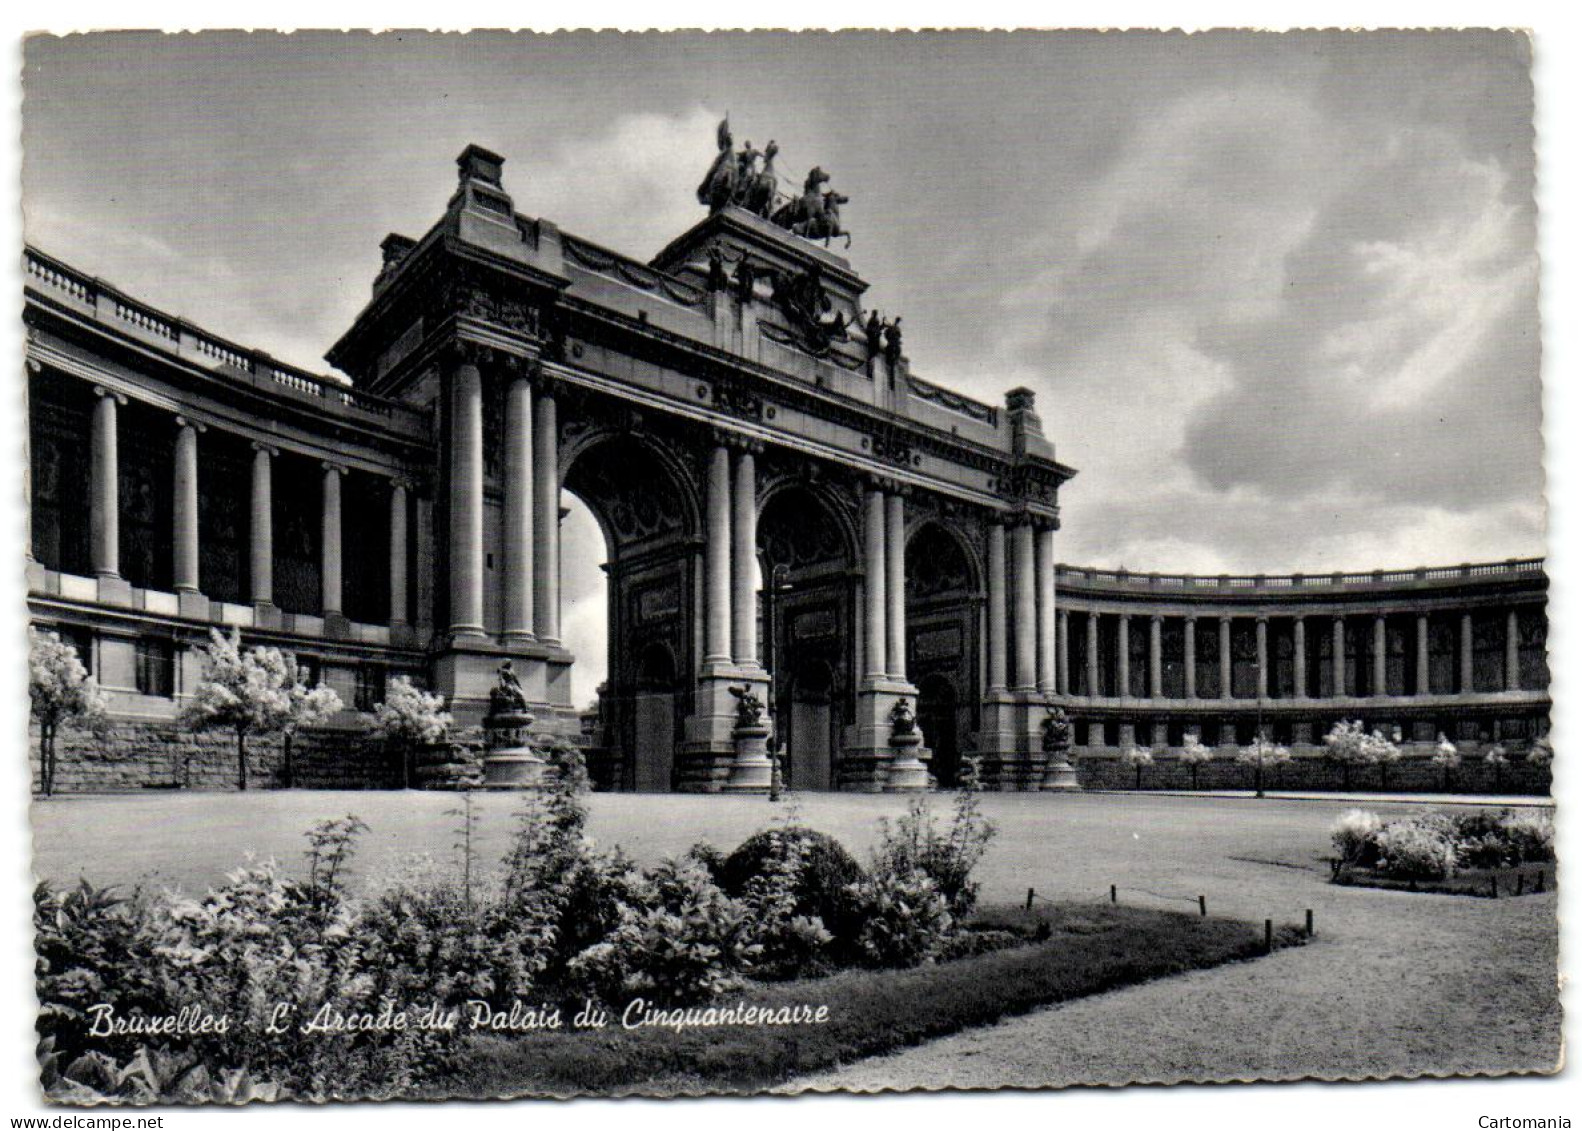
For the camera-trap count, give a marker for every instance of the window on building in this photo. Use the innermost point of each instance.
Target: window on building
(370, 690)
(80, 638)
(311, 669)
(156, 667)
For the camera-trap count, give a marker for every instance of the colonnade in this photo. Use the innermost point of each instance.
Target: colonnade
(1336, 624)
(186, 577)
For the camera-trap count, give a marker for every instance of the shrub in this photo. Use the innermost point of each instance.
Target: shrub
(948, 857)
(1354, 836)
(683, 940)
(822, 889)
(426, 941)
(789, 943)
(1416, 849)
(906, 918)
(1531, 836)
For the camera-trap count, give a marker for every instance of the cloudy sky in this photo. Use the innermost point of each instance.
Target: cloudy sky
(1277, 294)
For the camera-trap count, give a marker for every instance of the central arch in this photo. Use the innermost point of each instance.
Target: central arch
(643, 501)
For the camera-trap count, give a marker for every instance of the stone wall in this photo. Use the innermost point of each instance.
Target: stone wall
(136, 756)
(1309, 770)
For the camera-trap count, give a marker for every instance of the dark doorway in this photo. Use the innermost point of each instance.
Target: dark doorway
(938, 717)
(810, 737)
(654, 721)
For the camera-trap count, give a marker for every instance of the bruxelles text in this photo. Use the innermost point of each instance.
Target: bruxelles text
(519, 1017)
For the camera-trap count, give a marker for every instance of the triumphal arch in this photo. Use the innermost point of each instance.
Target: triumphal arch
(789, 510)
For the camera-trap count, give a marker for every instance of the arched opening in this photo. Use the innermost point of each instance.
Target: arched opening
(806, 605)
(943, 628)
(627, 584)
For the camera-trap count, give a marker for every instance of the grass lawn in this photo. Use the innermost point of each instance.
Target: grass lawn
(1091, 948)
(1399, 983)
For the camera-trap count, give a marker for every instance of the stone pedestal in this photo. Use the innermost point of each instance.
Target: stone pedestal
(753, 770)
(510, 762)
(908, 772)
(1059, 774)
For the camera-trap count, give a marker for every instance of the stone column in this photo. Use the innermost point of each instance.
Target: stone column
(1338, 660)
(996, 617)
(262, 579)
(1062, 652)
(1189, 649)
(1026, 673)
(546, 518)
(184, 509)
(330, 543)
(1466, 654)
(1422, 655)
(398, 543)
(717, 559)
(1156, 659)
(104, 516)
(1381, 682)
(874, 579)
(744, 549)
(1045, 590)
(466, 501)
(1094, 688)
(895, 583)
(518, 516)
(1225, 670)
(1263, 657)
(1513, 657)
(1123, 655)
(423, 560)
(1299, 657)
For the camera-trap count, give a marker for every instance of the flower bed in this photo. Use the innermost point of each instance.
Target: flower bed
(1458, 853)
(1085, 949)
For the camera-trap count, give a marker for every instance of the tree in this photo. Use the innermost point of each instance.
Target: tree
(410, 718)
(1262, 755)
(1194, 754)
(1343, 745)
(308, 706)
(246, 691)
(1379, 750)
(61, 693)
(1137, 757)
(1447, 756)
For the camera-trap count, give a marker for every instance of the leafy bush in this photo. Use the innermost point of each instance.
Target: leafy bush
(948, 857)
(822, 888)
(906, 918)
(685, 940)
(1353, 835)
(1416, 850)
(1531, 836)
(427, 942)
(789, 942)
